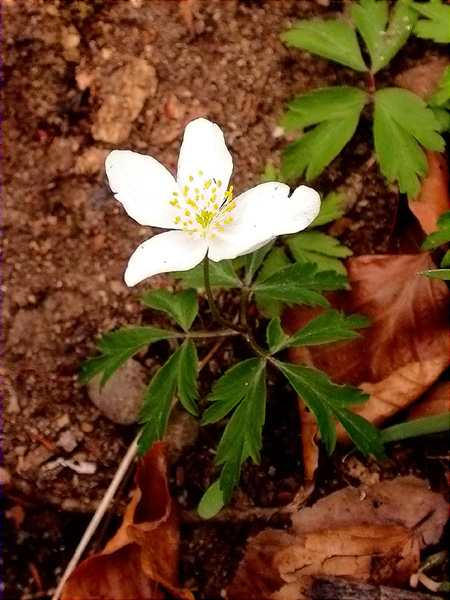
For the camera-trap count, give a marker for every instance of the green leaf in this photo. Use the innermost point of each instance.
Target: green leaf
(332, 39)
(332, 207)
(331, 326)
(439, 237)
(271, 173)
(318, 147)
(187, 377)
(442, 116)
(445, 262)
(221, 274)
(212, 501)
(300, 284)
(401, 122)
(229, 390)
(436, 22)
(157, 403)
(316, 242)
(275, 260)
(366, 437)
(254, 262)
(443, 274)
(275, 336)
(323, 263)
(242, 437)
(182, 307)
(117, 347)
(441, 95)
(323, 104)
(370, 18)
(325, 399)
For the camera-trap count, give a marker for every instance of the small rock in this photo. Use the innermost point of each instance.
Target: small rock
(67, 441)
(35, 458)
(121, 397)
(422, 79)
(91, 161)
(62, 421)
(87, 427)
(182, 432)
(133, 84)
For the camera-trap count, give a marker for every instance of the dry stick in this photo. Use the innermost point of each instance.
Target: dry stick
(98, 515)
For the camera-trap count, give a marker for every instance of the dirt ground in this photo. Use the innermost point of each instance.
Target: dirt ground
(84, 77)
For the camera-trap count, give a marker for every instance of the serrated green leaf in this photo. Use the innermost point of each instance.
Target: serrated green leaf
(445, 262)
(332, 39)
(275, 260)
(366, 437)
(443, 274)
(441, 236)
(370, 18)
(275, 336)
(117, 347)
(182, 306)
(300, 284)
(331, 326)
(254, 262)
(323, 104)
(441, 96)
(221, 274)
(323, 263)
(442, 116)
(229, 390)
(317, 242)
(271, 173)
(187, 377)
(212, 501)
(332, 207)
(401, 120)
(436, 22)
(157, 403)
(318, 147)
(326, 399)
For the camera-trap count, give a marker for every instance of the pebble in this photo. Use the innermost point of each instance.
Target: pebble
(121, 397)
(67, 441)
(35, 458)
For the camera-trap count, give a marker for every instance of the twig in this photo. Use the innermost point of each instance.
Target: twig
(210, 354)
(98, 515)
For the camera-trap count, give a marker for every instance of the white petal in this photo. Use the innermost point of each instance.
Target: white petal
(261, 214)
(163, 253)
(144, 187)
(204, 151)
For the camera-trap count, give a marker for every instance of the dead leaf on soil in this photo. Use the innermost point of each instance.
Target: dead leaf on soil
(433, 199)
(407, 346)
(141, 560)
(310, 448)
(366, 534)
(435, 402)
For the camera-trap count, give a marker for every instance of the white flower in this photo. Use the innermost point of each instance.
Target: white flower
(199, 206)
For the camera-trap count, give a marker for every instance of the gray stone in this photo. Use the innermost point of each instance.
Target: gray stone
(121, 397)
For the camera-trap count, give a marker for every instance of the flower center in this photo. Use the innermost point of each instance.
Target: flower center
(203, 206)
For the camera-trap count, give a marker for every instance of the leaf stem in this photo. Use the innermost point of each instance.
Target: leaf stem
(417, 427)
(208, 334)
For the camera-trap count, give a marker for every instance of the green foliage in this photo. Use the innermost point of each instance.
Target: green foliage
(441, 236)
(319, 248)
(402, 123)
(276, 338)
(241, 439)
(332, 207)
(300, 283)
(117, 347)
(328, 401)
(254, 261)
(332, 39)
(275, 260)
(433, 241)
(222, 274)
(434, 23)
(331, 326)
(177, 375)
(182, 307)
(371, 18)
(441, 96)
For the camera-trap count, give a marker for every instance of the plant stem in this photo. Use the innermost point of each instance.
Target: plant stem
(241, 329)
(209, 334)
(417, 427)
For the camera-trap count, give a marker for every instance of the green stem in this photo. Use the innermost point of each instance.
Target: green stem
(243, 330)
(417, 427)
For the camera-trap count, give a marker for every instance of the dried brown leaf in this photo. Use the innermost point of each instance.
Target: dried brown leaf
(141, 560)
(433, 199)
(366, 534)
(435, 402)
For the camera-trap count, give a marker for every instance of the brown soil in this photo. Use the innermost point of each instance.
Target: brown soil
(68, 66)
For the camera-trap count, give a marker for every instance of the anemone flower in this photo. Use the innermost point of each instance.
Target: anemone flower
(198, 206)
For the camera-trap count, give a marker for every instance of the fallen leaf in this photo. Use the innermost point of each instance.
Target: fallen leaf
(310, 449)
(407, 346)
(433, 199)
(141, 561)
(435, 402)
(371, 535)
